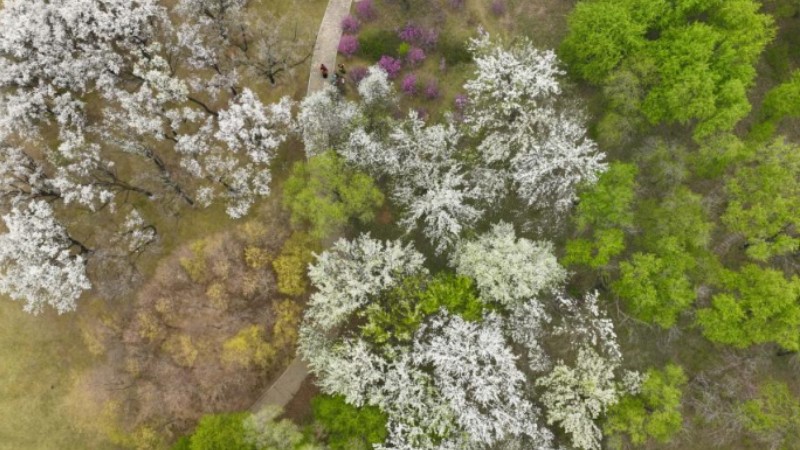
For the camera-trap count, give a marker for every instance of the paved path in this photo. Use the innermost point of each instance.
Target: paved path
(328, 37)
(330, 32)
(285, 387)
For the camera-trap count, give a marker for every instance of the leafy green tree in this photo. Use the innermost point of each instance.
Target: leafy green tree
(758, 306)
(266, 432)
(401, 310)
(658, 282)
(781, 102)
(764, 200)
(325, 194)
(605, 210)
(653, 413)
(774, 416)
(656, 289)
(217, 432)
(601, 35)
(695, 59)
(348, 427)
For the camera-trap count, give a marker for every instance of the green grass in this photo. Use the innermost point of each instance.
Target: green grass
(39, 359)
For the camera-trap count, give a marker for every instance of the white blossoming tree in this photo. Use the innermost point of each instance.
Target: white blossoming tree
(324, 120)
(350, 272)
(235, 148)
(540, 139)
(37, 264)
(574, 397)
(454, 385)
(477, 376)
(507, 269)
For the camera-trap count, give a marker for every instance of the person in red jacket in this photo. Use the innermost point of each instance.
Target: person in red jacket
(324, 70)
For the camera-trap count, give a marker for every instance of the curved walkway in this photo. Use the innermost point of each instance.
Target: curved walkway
(327, 45)
(330, 32)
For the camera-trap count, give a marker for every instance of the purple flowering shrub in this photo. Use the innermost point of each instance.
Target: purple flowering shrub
(432, 90)
(415, 56)
(391, 65)
(420, 37)
(348, 46)
(456, 4)
(365, 9)
(410, 33)
(498, 7)
(409, 84)
(461, 101)
(350, 25)
(357, 74)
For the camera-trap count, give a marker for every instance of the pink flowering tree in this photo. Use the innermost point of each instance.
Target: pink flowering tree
(392, 66)
(365, 10)
(409, 84)
(416, 56)
(348, 45)
(350, 25)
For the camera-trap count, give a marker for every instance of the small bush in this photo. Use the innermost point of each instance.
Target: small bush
(365, 9)
(248, 348)
(195, 266)
(421, 37)
(403, 49)
(416, 56)
(357, 74)
(455, 52)
(292, 264)
(498, 7)
(375, 43)
(181, 349)
(350, 25)
(391, 65)
(432, 90)
(461, 102)
(410, 33)
(409, 84)
(456, 4)
(348, 45)
(287, 319)
(256, 257)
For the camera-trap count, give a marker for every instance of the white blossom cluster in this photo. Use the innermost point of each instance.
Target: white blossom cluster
(37, 265)
(457, 381)
(514, 103)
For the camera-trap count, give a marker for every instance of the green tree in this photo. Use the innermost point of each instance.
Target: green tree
(781, 102)
(658, 282)
(653, 413)
(348, 427)
(656, 289)
(758, 306)
(401, 310)
(217, 432)
(324, 194)
(774, 416)
(605, 211)
(695, 59)
(764, 200)
(601, 35)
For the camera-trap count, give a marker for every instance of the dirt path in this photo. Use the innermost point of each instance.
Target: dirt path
(330, 32)
(326, 47)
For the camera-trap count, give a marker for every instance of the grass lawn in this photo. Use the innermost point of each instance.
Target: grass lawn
(39, 359)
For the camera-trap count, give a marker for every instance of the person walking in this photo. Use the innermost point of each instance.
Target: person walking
(324, 71)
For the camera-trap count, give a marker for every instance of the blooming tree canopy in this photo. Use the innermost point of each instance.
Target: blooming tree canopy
(36, 263)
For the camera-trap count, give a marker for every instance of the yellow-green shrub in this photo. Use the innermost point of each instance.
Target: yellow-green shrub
(247, 348)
